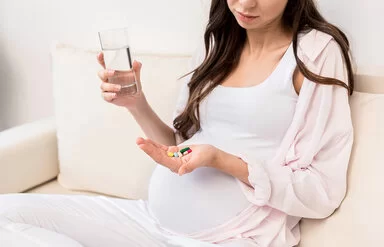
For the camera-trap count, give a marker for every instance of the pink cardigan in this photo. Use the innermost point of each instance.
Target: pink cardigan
(307, 176)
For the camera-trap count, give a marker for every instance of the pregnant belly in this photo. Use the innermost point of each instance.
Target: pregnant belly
(196, 201)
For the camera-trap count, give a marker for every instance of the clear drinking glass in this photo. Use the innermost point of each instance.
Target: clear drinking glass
(117, 56)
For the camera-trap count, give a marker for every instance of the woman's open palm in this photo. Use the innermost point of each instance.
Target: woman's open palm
(202, 155)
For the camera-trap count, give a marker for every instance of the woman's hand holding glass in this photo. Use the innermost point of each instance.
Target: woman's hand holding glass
(113, 82)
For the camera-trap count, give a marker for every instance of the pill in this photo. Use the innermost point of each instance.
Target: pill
(184, 149)
(170, 154)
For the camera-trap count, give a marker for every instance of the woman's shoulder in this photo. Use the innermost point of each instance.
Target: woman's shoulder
(314, 44)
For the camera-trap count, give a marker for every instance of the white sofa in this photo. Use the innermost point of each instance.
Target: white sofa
(69, 153)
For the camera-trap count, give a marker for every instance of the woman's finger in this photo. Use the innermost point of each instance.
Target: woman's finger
(152, 143)
(159, 145)
(109, 97)
(100, 59)
(173, 149)
(184, 169)
(110, 87)
(156, 154)
(105, 74)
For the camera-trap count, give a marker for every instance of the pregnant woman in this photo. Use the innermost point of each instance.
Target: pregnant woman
(265, 117)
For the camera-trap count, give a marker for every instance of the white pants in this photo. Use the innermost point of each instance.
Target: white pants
(77, 220)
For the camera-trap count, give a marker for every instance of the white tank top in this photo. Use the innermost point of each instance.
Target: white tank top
(250, 120)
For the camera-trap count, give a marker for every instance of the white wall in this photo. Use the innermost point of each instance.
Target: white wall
(362, 21)
(28, 27)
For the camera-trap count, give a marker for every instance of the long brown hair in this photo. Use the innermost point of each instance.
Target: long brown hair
(224, 41)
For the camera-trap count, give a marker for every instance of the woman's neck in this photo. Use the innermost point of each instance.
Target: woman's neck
(267, 39)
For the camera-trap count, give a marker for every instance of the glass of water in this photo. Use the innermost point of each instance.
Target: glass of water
(117, 56)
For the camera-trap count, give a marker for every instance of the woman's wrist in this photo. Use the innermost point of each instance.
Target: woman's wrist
(218, 157)
(140, 107)
(231, 165)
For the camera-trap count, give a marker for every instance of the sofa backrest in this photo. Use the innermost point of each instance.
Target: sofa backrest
(358, 221)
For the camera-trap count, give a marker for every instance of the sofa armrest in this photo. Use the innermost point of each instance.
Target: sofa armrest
(28, 156)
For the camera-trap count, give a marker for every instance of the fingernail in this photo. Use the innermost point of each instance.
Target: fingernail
(118, 87)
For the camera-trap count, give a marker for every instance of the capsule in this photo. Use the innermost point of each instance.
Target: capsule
(184, 149)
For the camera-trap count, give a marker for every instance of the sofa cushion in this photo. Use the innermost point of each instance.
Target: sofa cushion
(54, 187)
(96, 140)
(358, 221)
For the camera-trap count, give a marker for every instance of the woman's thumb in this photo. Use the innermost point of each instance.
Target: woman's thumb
(136, 66)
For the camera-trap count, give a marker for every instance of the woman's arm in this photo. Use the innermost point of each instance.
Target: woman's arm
(136, 104)
(232, 165)
(153, 127)
(309, 178)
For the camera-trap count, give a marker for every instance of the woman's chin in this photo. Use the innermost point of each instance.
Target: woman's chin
(249, 26)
